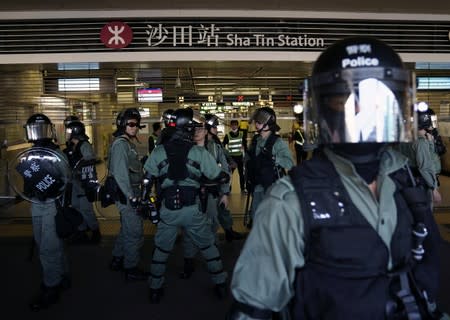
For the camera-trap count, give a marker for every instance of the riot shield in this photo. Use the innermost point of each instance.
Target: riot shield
(39, 174)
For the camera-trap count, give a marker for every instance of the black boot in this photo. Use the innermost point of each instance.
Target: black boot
(221, 290)
(96, 236)
(231, 235)
(155, 295)
(188, 268)
(116, 264)
(46, 297)
(135, 274)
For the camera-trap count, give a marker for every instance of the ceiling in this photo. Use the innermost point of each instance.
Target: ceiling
(196, 80)
(21, 85)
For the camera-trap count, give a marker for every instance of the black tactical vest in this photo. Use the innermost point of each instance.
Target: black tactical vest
(345, 274)
(262, 166)
(73, 153)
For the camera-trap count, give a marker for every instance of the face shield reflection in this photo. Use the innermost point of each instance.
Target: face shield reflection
(370, 112)
(39, 131)
(434, 121)
(68, 133)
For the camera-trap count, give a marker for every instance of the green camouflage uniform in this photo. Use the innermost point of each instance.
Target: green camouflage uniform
(126, 168)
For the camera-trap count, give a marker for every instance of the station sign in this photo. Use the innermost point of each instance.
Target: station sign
(200, 34)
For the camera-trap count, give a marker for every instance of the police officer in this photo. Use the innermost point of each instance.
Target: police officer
(82, 161)
(215, 197)
(236, 145)
(334, 239)
(43, 185)
(421, 155)
(268, 156)
(437, 146)
(213, 145)
(299, 141)
(440, 147)
(179, 165)
(124, 165)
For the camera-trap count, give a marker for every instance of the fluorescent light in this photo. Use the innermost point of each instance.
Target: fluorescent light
(79, 66)
(432, 66)
(79, 84)
(433, 83)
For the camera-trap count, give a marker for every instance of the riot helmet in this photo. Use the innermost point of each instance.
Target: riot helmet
(76, 130)
(167, 118)
(127, 114)
(423, 120)
(211, 121)
(425, 117)
(70, 119)
(183, 119)
(359, 92)
(39, 128)
(123, 117)
(266, 116)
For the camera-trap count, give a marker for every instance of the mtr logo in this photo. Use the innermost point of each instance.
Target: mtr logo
(116, 35)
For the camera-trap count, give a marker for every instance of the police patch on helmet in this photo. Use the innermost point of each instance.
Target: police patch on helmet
(39, 174)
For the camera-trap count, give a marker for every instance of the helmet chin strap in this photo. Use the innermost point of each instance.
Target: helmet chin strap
(262, 129)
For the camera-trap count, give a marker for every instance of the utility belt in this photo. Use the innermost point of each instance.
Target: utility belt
(177, 197)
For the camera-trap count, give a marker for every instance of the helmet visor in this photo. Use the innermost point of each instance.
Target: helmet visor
(260, 116)
(367, 110)
(39, 131)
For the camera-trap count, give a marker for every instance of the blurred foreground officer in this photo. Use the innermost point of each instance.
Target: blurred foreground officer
(126, 168)
(82, 161)
(179, 165)
(45, 173)
(268, 157)
(341, 236)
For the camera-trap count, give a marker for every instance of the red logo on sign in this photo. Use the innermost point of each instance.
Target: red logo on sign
(116, 35)
(240, 98)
